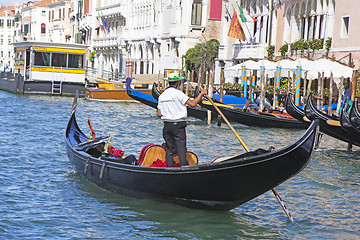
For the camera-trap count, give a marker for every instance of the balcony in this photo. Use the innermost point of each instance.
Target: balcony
(249, 50)
(109, 42)
(110, 10)
(243, 51)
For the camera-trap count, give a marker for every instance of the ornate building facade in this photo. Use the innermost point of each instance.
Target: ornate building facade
(278, 22)
(153, 34)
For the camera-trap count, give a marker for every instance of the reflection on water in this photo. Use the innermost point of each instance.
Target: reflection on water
(42, 197)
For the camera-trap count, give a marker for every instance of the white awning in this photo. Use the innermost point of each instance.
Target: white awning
(312, 68)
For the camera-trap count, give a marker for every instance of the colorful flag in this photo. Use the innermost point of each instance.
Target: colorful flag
(245, 17)
(235, 30)
(102, 26)
(106, 26)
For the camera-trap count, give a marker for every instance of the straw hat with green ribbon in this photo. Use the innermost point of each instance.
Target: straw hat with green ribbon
(172, 77)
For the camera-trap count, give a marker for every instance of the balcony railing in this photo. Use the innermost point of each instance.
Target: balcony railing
(105, 42)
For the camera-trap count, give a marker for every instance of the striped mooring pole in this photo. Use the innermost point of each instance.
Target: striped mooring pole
(262, 73)
(243, 79)
(252, 84)
(277, 84)
(297, 89)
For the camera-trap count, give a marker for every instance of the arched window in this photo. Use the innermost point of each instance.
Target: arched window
(43, 28)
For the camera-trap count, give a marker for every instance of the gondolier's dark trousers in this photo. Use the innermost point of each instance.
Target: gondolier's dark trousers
(174, 134)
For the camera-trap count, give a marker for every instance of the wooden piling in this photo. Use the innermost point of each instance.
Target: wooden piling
(199, 77)
(187, 84)
(309, 87)
(330, 95)
(305, 86)
(262, 93)
(293, 83)
(318, 91)
(222, 81)
(322, 92)
(274, 92)
(207, 80)
(355, 81)
(289, 82)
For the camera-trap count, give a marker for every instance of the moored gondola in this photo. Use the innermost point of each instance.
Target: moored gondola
(254, 118)
(354, 115)
(345, 117)
(221, 185)
(330, 125)
(294, 111)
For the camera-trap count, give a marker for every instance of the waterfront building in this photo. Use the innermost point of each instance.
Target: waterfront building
(346, 33)
(152, 34)
(59, 21)
(83, 21)
(286, 22)
(35, 18)
(6, 37)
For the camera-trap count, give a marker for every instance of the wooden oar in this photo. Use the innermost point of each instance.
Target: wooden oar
(228, 123)
(247, 149)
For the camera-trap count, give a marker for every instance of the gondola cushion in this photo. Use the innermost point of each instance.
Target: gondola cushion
(152, 153)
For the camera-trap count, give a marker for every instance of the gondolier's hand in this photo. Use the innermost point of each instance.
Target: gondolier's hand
(203, 92)
(193, 102)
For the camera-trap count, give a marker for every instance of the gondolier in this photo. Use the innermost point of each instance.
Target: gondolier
(172, 110)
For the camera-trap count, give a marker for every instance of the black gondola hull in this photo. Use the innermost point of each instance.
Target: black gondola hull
(337, 132)
(251, 118)
(218, 186)
(294, 111)
(354, 116)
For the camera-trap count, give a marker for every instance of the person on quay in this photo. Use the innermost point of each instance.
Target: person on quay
(172, 110)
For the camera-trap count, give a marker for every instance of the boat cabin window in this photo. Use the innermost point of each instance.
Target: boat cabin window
(75, 61)
(58, 60)
(64, 60)
(42, 59)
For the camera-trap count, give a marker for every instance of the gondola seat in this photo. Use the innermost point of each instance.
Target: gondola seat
(153, 152)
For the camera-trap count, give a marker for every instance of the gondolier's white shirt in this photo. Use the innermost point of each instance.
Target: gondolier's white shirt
(172, 105)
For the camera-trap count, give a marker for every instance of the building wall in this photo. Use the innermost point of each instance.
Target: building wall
(153, 34)
(346, 36)
(6, 37)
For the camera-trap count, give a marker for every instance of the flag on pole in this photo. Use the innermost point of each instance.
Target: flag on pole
(105, 25)
(102, 26)
(228, 15)
(235, 29)
(246, 17)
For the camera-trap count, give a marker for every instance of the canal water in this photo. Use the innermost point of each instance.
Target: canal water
(42, 197)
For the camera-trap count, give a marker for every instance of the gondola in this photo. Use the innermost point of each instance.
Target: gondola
(227, 99)
(223, 184)
(345, 117)
(147, 99)
(330, 125)
(254, 118)
(354, 115)
(294, 111)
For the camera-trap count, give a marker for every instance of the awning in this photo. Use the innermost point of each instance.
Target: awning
(312, 68)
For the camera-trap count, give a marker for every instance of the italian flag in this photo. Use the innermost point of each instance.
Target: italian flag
(102, 25)
(245, 17)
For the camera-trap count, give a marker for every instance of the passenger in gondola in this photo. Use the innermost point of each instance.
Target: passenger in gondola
(172, 110)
